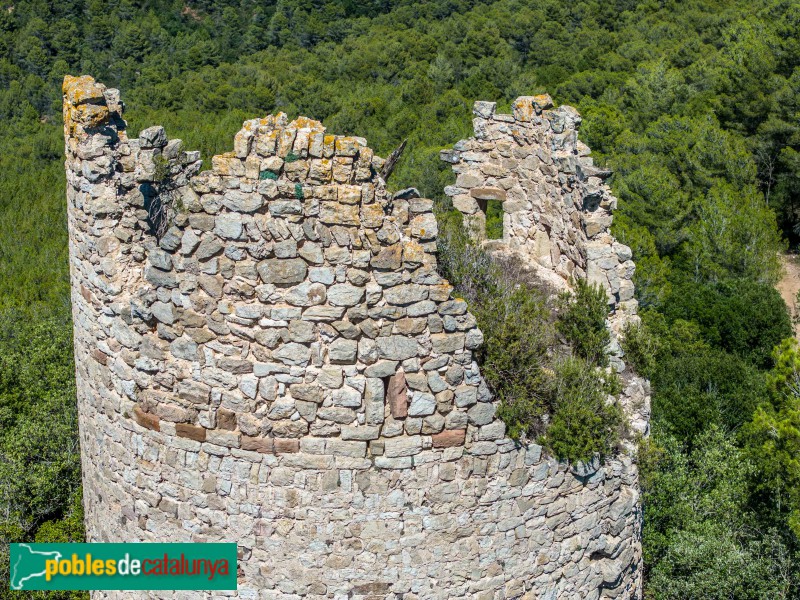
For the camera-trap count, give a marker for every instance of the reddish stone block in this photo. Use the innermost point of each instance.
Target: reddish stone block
(397, 395)
(286, 445)
(100, 357)
(226, 419)
(449, 438)
(146, 420)
(258, 444)
(389, 258)
(193, 432)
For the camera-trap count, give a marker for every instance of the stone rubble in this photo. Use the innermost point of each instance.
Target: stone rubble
(281, 368)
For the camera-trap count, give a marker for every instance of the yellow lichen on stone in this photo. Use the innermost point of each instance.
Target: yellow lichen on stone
(84, 103)
(227, 164)
(372, 215)
(80, 90)
(347, 146)
(413, 253)
(91, 115)
(349, 194)
(306, 123)
(523, 109)
(543, 101)
(320, 169)
(266, 141)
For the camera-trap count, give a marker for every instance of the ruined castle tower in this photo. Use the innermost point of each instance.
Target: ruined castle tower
(266, 354)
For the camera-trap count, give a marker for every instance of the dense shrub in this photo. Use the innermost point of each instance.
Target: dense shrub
(515, 358)
(742, 317)
(772, 440)
(584, 422)
(494, 220)
(65, 529)
(39, 456)
(547, 390)
(694, 390)
(695, 386)
(641, 349)
(582, 321)
(701, 538)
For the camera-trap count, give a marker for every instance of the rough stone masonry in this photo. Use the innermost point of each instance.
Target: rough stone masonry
(266, 354)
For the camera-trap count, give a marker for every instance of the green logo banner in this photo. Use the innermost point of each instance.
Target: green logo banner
(141, 566)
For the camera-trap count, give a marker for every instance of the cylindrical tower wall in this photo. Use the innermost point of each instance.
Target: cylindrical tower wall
(267, 355)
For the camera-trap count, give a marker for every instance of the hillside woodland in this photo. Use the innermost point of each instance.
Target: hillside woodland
(695, 105)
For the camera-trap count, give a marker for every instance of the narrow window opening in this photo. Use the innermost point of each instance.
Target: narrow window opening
(493, 209)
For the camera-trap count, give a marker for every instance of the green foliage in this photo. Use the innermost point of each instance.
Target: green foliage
(494, 220)
(695, 386)
(583, 421)
(515, 357)
(39, 461)
(469, 269)
(736, 235)
(781, 379)
(582, 321)
(161, 171)
(40, 496)
(641, 349)
(67, 529)
(544, 392)
(695, 390)
(688, 190)
(699, 535)
(773, 437)
(33, 220)
(739, 316)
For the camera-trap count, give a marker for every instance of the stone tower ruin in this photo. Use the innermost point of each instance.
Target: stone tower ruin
(266, 354)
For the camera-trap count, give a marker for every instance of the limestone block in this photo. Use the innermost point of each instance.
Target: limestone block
(488, 193)
(422, 404)
(403, 446)
(396, 347)
(282, 271)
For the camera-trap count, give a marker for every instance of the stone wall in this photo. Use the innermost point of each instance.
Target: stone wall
(556, 212)
(266, 354)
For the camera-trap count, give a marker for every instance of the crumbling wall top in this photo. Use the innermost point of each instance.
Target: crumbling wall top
(555, 207)
(282, 296)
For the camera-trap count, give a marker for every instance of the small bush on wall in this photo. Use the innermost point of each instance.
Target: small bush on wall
(543, 354)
